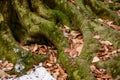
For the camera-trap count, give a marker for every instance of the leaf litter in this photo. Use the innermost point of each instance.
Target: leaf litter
(75, 40)
(110, 23)
(106, 51)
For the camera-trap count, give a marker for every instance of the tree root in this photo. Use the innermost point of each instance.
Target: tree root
(83, 16)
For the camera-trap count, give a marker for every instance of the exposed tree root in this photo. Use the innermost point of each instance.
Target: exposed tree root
(37, 18)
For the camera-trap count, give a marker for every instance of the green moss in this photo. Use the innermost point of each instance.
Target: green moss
(36, 17)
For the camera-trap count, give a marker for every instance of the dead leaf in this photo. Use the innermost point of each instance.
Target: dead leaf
(109, 22)
(3, 74)
(118, 12)
(79, 49)
(75, 41)
(75, 33)
(67, 50)
(5, 63)
(118, 50)
(73, 53)
(25, 48)
(13, 76)
(106, 49)
(60, 69)
(116, 27)
(49, 64)
(93, 68)
(8, 67)
(65, 34)
(106, 77)
(35, 48)
(101, 20)
(66, 27)
(106, 43)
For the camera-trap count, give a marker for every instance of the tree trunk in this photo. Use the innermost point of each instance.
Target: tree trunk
(24, 20)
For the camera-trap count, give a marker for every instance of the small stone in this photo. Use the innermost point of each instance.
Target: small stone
(95, 59)
(96, 37)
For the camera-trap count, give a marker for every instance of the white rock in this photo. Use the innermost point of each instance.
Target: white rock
(95, 59)
(40, 73)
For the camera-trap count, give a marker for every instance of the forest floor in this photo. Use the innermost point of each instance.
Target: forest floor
(76, 42)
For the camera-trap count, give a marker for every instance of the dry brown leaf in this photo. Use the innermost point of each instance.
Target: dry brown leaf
(71, 1)
(66, 34)
(106, 43)
(93, 68)
(60, 69)
(67, 50)
(106, 77)
(118, 12)
(13, 76)
(109, 22)
(73, 53)
(52, 58)
(3, 74)
(66, 27)
(116, 27)
(106, 49)
(74, 33)
(35, 48)
(113, 52)
(118, 50)
(79, 49)
(75, 41)
(101, 20)
(5, 63)
(99, 79)
(56, 74)
(25, 48)
(49, 64)
(60, 78)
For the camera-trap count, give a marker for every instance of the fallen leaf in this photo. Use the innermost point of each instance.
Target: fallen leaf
(109, 22)
(118, 12)
(49, 64)
(35, 48)
(116, 27)
(113, 52)
(77, 41)
(25, 48)
(67, 50)
(66, 27)
(75, 33)
(8, 67)
(106, 77)
(3, 74)
(65, 34)
(101, 20)
(5, 63)
(93, 68)
(106, 43)
(118, 50)
(79, 49)
(60, 69)
(73, 53)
